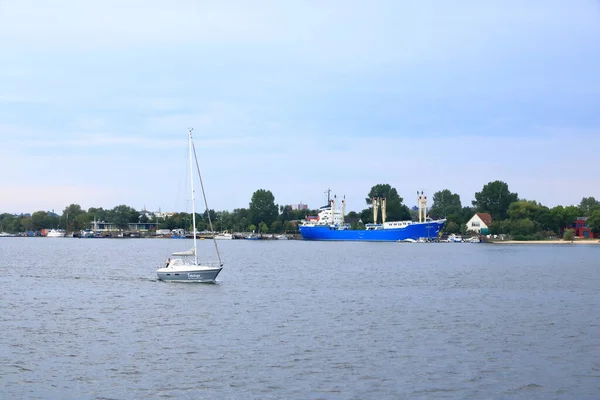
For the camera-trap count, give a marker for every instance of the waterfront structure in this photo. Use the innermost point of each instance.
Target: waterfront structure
(480, 223)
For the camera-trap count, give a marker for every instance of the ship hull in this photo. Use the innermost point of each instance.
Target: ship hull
(413, 231)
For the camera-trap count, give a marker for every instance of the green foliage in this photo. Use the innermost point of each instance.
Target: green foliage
(569, 234)
(451, 227)
(9, 223)
(499, 227)
(70, 218)
(290, 227)
(495, 198)
(570, 214)
(395, 210)
(594, 221)
(262, 207)
(445, 203)
(587, 206)
(285, 213)
(276, 226)
(252, 228)
(521, 227)
(263, 227)
(99, 214)
(534, 236)
(122, 215)
(43, 220)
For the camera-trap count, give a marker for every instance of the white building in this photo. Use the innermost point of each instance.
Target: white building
(479, 222)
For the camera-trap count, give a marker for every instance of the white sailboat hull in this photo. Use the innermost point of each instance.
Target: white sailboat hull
(188, 273)
(54, 233)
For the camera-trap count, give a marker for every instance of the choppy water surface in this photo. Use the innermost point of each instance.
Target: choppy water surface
(86, 318)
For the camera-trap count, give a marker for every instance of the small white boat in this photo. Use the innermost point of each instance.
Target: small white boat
(224, 236)
(281, 237)
(54, 233)
(453, 238)
(186, 268)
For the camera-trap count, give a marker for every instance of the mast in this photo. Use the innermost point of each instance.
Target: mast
(332, 204)
(375, 204)
(206, 203)
(422, 206)
(193, 196)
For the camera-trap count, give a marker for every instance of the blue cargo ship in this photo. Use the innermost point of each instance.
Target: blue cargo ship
(329, 225)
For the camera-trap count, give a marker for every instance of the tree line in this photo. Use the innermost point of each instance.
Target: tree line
(518, 217)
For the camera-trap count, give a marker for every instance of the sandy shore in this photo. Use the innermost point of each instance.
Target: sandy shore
(558, 241)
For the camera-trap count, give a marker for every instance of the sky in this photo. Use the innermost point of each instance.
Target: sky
(296, 97)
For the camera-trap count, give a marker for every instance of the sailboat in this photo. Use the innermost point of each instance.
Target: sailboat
(185, 267)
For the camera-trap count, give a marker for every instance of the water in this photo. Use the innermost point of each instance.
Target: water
(86, 318)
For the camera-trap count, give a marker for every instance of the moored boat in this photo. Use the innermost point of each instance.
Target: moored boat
(329, 225)
(54, 233)
(224, 236)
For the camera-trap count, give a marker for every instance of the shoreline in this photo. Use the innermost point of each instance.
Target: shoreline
(556, 241)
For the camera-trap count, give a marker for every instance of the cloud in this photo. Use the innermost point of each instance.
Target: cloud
(297, 97)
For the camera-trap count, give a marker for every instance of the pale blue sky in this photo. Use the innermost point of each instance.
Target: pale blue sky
(296, 97)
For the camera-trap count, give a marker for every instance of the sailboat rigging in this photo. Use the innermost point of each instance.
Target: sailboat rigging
(186, 268)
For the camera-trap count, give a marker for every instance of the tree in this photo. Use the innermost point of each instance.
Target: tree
(556, 218)
(99, 214)
(214, 218)
(122, 215)
(570, 215)
(451, 227)
(594, 222)
(69, 217)
(445, 203)
(395, 210)
(290, 227)
(522, 227)
(276, 226)
(569, 234)
(262, 207)
(588, 205)
(286, 213)
(366, 215)
(495, 198)
(522, 209)
(82, 221)
(43, 220)
(263, 227)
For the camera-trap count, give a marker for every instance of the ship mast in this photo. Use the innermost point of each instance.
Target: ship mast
(328, 191)
(422, 206)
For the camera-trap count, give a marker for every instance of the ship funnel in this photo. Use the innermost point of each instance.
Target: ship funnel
(343, 210)
(383, 213)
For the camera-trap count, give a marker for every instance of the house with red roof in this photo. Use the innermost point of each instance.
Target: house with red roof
(480, 223)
